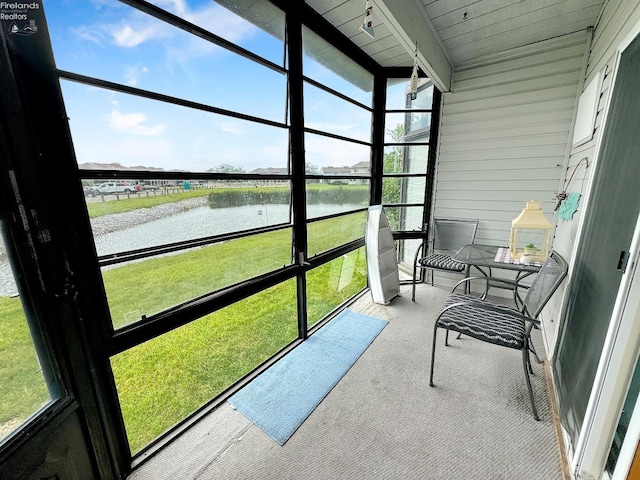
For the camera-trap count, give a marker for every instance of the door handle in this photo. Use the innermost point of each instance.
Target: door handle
(622, 261)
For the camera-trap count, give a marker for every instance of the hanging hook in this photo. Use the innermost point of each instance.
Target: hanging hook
(560, 197)
(413, 89)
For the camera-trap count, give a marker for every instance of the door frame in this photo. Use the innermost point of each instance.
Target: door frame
(630, 447)
(618, 357)
(617, 363)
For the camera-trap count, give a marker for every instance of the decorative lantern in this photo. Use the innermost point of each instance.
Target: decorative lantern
(530, 233)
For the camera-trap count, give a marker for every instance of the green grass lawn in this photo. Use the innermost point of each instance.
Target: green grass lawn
(22, 386)
(98, 209)
(153, 285)
(163, 380)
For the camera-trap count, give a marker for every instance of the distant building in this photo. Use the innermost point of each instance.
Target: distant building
(361, 168)
(270, 171)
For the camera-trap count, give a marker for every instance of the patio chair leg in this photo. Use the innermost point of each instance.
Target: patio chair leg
(525, 357)
(446, 338)
(433, 354)
(533, 350)
(413, 285)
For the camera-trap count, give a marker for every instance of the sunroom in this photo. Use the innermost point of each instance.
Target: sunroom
(186, 187)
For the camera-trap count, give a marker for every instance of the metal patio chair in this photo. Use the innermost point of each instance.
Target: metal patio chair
(499, 324)
(448, 235)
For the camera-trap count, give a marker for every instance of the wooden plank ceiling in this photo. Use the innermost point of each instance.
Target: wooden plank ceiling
(467, 30)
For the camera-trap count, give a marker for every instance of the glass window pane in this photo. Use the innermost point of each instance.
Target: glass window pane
(403, 127)
(404, 218)
(325, 155)
(391, 190)
(256, 25)
(145, 287)
(116, 131)
(162, 381)
(417, 158)
(403, 190)
(406, 159)
(24, 390)
(114, 42)
(334, 282)
(407, 252)
(398, 94)
(327, 199)
(320, 109)
(162, 212)
(328, 66)
(326, 234)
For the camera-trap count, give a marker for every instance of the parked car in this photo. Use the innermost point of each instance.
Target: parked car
(90, 191)
(147, 186)
(115, 187)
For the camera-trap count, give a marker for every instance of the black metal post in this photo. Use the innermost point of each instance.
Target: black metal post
(297, 160)
(377, 137)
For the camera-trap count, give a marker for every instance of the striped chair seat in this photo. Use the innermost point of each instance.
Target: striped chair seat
(498, 324)
(483, 320)
(441, 262)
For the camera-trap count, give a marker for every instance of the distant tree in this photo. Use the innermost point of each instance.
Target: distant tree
(393, 157)
(226, 168)
(311, 169)
(393, 163)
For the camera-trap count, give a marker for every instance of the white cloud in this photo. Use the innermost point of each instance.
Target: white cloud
(222, 22)
(128, 35)
(133, 123)
(133, 73)
(213, 17)
(178, 7)
(91, 34)
(232, 127)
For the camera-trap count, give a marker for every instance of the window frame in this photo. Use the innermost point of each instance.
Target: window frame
(91, 344)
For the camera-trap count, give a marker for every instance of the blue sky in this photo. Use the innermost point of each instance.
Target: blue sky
(112, 41)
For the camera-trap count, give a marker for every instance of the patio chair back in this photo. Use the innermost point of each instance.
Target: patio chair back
(545, 284)
(447, 236)
(451, 234)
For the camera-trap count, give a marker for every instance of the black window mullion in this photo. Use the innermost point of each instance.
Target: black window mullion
(377, 138)
(336, 93)
(431, 162)
(296, 142)
(118, 87)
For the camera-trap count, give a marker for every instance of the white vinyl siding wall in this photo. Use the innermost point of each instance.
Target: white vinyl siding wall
(504, 136)
(618, 20)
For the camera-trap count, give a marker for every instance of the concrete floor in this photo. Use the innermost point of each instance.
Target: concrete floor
(383, 421)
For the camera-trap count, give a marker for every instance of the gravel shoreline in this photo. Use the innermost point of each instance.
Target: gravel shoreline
(120, 221)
